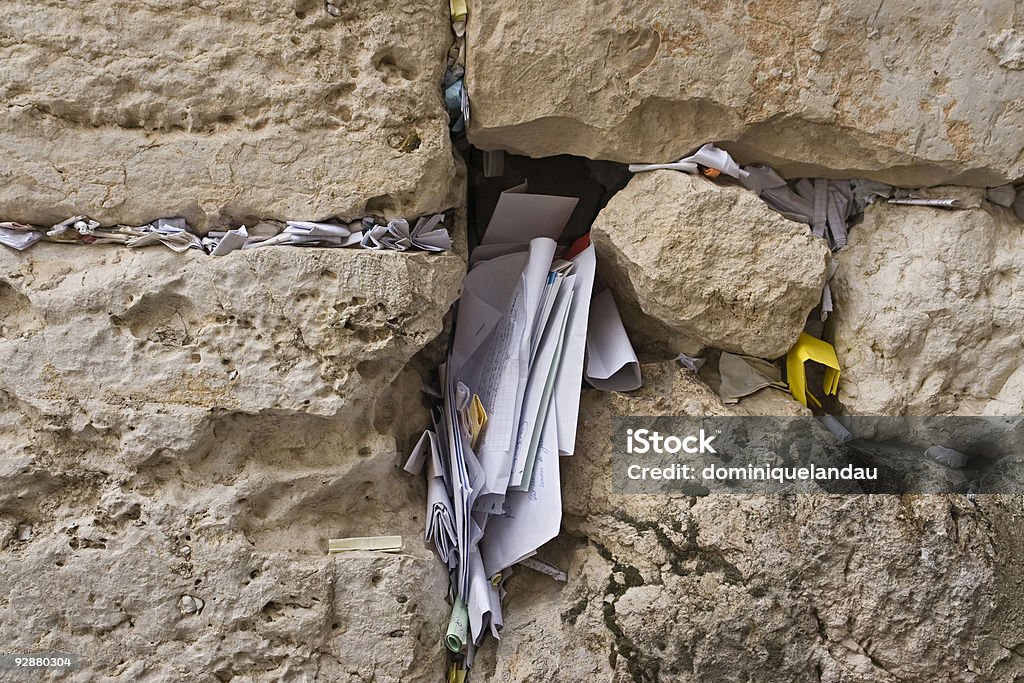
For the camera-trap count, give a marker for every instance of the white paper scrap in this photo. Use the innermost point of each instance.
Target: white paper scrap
(611, 362)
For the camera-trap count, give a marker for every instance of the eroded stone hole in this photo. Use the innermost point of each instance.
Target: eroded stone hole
(594, 182)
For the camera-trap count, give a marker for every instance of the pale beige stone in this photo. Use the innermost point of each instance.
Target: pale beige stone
(842, 589)
(184, 434)
(281, 328)
(928, 312)
(711, 264)
(878, 89)
(222, 111)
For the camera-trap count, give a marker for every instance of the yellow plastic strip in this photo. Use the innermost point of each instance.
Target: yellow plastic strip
(459, 10)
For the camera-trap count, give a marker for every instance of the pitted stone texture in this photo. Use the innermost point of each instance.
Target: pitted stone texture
(711, 264)
(217, 111)
(906, 96)
(115, 334)
(839, 589)
(929, 314)
(122, 552)
(184, 434)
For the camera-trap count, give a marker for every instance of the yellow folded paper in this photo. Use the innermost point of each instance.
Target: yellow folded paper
(477, 419)
(455, 674)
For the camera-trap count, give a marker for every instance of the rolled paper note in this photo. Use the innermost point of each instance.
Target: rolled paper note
(941, 203)
(458, 627)
(684, 166)
(836, 427)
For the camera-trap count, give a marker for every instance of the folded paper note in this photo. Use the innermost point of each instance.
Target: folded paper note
(708, 156)
(947, 456)
(520, 217)
(317, 229)
(612, 364)
(385, 544)
(1004, 195)
(456, 674)
(826, 205)
(232, 240)
(427, 235)
(544, 568)
(477, 418)
(743, 375)
(458, 8)
(691, 363)
(836, 427)
(19, 239)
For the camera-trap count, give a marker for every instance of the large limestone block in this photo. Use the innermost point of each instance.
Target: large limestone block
(929, 313)
(842, 589)
(208, 561)
(117, 334)
(914, 94)
(183, 434)
(223, 110)
(711, 264)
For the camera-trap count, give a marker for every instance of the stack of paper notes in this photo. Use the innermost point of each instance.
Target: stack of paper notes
(510, 399)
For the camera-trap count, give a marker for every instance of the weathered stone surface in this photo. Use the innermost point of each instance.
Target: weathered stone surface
(222, 110)
(239, 520)
(180, 435)
(180, 428)
(737, 588)
(281, 329)
(711, 263)
(906, 95)
(929, 313)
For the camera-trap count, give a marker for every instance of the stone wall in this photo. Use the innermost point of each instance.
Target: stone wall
(929, 312)
(763, 588)
(180, 435)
